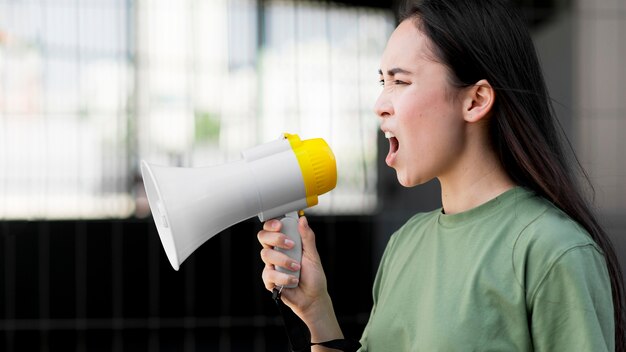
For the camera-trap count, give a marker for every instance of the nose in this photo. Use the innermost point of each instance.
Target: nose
(383, 107)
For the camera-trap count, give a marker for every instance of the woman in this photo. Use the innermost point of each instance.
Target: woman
(514, 260)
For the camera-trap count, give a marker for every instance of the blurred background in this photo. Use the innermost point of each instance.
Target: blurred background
(89, 88)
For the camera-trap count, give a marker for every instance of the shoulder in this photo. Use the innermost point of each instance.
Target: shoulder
(568, 288)
(552, 232)
(416, 224)
(552, 241)
(420, 220)
(405, 237)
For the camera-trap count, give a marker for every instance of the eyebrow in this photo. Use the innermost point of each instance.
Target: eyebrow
(392, 72)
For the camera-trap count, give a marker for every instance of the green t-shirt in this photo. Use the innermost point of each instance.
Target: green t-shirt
(513, 274)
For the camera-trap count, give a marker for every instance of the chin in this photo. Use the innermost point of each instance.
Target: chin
(408, 181)
(405, 181)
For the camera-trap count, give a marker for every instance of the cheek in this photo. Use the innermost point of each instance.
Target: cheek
(431, 123)
(423, 101)
(435, 138)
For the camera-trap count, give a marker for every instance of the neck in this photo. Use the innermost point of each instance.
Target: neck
(476, 180)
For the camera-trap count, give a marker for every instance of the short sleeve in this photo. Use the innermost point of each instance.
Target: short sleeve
(572, 308)
(376, 291)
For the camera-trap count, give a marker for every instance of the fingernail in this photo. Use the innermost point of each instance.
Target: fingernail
(289, 243)
(295, 266)
(293, 280)
(274, 224)
(305, 223)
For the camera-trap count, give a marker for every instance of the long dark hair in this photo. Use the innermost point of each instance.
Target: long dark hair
(488, 39)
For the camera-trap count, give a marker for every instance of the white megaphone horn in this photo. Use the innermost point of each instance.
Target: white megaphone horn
(272, 180)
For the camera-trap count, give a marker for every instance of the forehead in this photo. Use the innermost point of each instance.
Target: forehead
(407, 47)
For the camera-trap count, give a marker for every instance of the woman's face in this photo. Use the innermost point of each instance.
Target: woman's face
(419, 113)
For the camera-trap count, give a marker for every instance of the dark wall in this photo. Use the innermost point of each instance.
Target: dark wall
(107, 286)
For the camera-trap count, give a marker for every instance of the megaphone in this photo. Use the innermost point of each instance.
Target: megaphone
(273, 180)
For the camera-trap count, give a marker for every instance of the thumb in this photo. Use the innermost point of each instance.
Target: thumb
(308, 237)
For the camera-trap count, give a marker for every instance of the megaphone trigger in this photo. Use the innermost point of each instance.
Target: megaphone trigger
(290, 229)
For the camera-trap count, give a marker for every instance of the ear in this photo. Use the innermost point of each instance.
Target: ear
(478, 101)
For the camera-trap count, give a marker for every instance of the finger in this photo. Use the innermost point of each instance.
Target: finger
(276, 258)
(274, 239)
(269, 285)
(273, 278)
(272, 225)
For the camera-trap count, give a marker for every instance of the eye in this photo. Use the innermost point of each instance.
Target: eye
(399, 82)
(381, 82)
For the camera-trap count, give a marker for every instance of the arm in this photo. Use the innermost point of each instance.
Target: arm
(310, 300)
(572, 307)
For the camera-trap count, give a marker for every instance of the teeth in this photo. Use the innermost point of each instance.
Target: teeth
(389, 134)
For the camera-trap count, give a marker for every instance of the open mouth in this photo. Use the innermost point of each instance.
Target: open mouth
(393, 142)
(394, 145)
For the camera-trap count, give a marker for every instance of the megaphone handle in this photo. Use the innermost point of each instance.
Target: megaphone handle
(290, 228)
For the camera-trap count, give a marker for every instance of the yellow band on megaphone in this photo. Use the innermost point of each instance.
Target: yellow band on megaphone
(317, 163)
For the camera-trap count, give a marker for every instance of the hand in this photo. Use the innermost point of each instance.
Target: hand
(304, 300)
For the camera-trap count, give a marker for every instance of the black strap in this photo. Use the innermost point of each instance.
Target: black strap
(342, 345)
(299, 335)
(297, 332)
